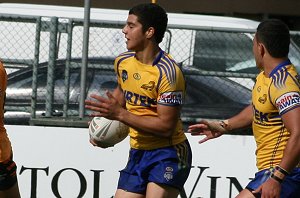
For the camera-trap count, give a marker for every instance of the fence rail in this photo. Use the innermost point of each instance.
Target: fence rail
(42, 56)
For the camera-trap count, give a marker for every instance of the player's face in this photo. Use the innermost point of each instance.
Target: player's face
(134, 33)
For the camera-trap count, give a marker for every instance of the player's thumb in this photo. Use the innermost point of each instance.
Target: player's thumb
(109, 94)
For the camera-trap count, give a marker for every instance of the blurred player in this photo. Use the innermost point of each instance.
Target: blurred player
(8, 177)
(148, 98)
(274, 114)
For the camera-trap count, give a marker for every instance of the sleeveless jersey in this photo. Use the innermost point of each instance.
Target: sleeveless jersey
(144, 87)
(272, 97)
(5, 146)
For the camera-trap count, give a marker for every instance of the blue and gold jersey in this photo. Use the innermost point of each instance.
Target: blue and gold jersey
(5, 146)
(145, 87)
(273, 96)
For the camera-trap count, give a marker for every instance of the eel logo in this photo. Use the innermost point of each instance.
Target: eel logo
(148, 86)
(263, 99)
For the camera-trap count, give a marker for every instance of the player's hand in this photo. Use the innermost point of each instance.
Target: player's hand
(270, 189)
(94, 143)
(108, 107)
(211, 129)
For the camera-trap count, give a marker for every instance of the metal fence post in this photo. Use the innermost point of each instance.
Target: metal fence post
(51, 66)
(67, 69)
(35, 67)
(85, 51)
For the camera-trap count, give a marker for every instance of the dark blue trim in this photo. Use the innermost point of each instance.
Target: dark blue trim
(281, 65)
(171, 69)
(157, 59)
(121, 59)
(159, 78)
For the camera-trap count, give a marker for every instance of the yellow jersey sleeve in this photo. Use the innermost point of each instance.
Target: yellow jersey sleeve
(172, 83)
(285, 92)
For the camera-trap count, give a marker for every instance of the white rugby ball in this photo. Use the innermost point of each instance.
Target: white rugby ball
(107, 133)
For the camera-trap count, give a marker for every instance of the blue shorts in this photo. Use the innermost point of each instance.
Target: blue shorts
(8, 176)
(167, 166)
(290, 187)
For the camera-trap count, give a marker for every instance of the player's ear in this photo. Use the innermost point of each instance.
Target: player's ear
(261, 49)
(150, 32)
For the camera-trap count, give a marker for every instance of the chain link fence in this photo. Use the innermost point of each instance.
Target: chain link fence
(43, 60)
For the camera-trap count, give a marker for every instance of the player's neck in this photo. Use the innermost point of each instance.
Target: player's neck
(271, 64)
(148, 55)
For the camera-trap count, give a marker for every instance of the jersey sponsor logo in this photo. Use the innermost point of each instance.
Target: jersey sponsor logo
(175, 98)
(260, 116)
(148, 86)
(266, 119)
(287, 100)
(137, 99)
(124, 75)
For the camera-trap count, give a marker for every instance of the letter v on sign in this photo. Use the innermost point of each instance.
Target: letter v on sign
(202, 169)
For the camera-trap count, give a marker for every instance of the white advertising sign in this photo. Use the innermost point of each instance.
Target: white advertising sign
(60, 162)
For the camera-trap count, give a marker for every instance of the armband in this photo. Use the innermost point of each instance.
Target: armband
(281, 170)
(273, 176)
(225, 125)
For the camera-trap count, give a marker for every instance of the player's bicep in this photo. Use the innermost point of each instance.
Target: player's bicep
(291, 120)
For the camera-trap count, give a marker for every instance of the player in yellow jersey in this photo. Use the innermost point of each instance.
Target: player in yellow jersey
(274, 114)
(8, 177)
(149, 96)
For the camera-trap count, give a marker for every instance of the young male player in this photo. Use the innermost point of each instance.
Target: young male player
(148, 98)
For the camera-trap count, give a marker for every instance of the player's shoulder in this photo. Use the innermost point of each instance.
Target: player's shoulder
(167, 60)
(284, 74)
(169, 57)
(2, 69)
(125, 55)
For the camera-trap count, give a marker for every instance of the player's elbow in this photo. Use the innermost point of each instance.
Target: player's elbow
(168, 131)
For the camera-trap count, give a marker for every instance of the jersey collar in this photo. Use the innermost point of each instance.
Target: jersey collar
(157, 59)
(281, 65)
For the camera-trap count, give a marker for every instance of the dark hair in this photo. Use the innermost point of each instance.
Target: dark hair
(151, 15)
(275, 35)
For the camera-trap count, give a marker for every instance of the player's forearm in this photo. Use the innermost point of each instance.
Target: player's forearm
(154, 125)
(291, 156)
(241, 120)
(290, 160)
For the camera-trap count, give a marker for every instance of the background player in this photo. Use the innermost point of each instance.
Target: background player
(274, 114)
(8, 177)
